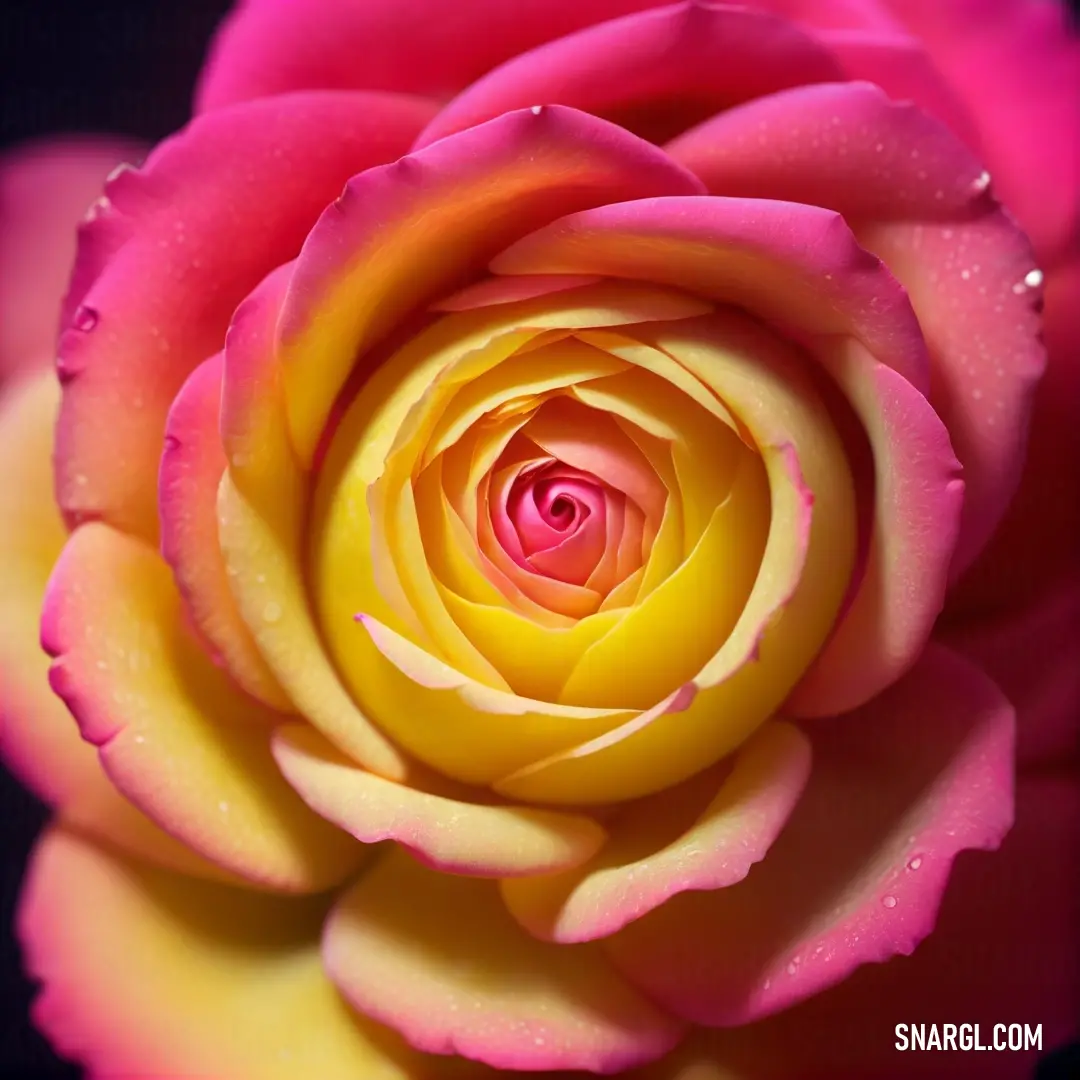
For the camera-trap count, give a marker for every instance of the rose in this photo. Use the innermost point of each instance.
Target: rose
(156, 276)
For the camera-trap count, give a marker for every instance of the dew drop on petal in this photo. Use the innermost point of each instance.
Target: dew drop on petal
(915, 863)
(888, 901)
(981, 182)
(86, 318)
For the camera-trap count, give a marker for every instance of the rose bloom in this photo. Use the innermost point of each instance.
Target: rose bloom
(543, 563)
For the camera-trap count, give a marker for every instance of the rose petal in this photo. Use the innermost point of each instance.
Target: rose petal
(400, 234)
(916, 197)
(402, 403)
(482, 733)
(654, 72)
(698, 606)
(897, 789)
(261, 503)
(900, 65)
(836, 14)
(274, 46)
(1029, 653)
(174, 735)
(760, 256)
(191, 469)
(703, 835)
(796, 265)
(139, 327)
(83, 906)
(1003, 950)
(39, 739)
(442, 830)
(1040, 535)
(438, 958)
(918, 500)
(804, 572)
(1017, 68)
(45, 189)
(496, 290)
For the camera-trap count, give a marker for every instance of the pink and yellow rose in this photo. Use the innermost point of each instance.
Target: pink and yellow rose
(533, 564)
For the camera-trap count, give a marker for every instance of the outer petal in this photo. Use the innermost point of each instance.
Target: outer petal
(174, 734)
(269, 589)
(39, 739)
(45, 189)
(900, 65)
(140, 316)
(401, 234)
(799, 266)
(1039, 539)
(191, 470)
(1031, 654)
(655, 72)
(1004, 951)
(917, 198)
(655, 852)
(213, 982)
(836, 14)
(1016, 64)
(275, 46)
(438, 958)
(918, 501)
(897, 789)
(442, 828)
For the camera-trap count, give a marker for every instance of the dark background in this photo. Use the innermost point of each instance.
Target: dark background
(126, 67)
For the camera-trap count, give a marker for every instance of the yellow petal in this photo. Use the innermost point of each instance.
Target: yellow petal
(214, 981)
(701, 835)
(447, 830)
(438, 958)
(175, 734)
(669, 636)
(39, 738)
(460, 727)
(792, 606)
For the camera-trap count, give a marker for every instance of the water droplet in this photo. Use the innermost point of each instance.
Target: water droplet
(536, 110)
(888, 901)
(915, 863)
(981, 182)
(965, 274)
(1033, 279)
(86, 318)
(272, 612)
(766, 984)
(792, 968)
